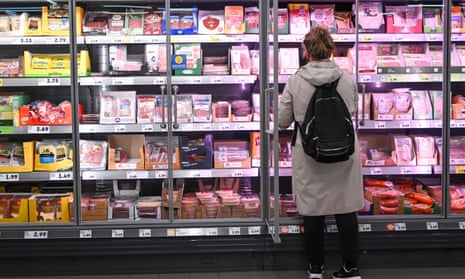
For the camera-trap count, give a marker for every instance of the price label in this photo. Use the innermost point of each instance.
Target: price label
(85, 234)
(25, 41)
(437, 124)
(344, 38)
(432, 226)
(170, 232)
(364, 227)
(376, 171)
(161, 174)
(147, 128)
(293, 229)
(49, 82)
(380, 124)
(234, 231)
(205, 127)
(145, 233)
(122, 81)
(254, 230)
(365, 78)
(137, 175)
(60, 40)
(35, 234)
(158, 81)
(38, 129)
(462, 225)
(461, 124)
(9, 176)
(424, 77)
(1, 82)
(366, 38)
(433, 37)
(117, 233)
(225, 126)
(237, 173)
(455, 37)
(398, 37)
(63, 175)
(217, 80)
(404, 124)
(214, 38)
(211, 231)
(400, 227)
(120, 128)
(453, 123)
(331, 228)
(87, 175)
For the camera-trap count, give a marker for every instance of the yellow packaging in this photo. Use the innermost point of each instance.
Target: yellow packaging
(56, 65)
(47, 23)
(53, 155)
(22, 214)
(49, 208)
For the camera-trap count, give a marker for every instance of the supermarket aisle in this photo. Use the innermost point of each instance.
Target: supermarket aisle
(392, 273)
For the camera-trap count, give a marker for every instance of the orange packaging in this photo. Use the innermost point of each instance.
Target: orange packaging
(234, 20)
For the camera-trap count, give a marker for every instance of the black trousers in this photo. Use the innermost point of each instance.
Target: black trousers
(347, 226)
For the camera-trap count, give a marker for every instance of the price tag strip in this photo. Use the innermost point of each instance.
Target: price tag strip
(145, 233)
(63, 175)
(35, 234)
(234, 231)
(9, 177)
(117, 233)
(85, 234)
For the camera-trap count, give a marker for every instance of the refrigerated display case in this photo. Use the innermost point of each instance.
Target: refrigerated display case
(158, 123)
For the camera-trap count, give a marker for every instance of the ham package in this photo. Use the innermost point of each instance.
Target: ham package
(371, 18)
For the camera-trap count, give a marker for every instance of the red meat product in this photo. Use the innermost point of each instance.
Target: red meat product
(458, 204)
(378, 183)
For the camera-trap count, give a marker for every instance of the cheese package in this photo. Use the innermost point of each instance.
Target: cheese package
(145, 108)
(371, 17)
(211, 22)
(234, 20)
(323, 16)
(53, 155)
(92, 154)
(299, 18)
(117, 107)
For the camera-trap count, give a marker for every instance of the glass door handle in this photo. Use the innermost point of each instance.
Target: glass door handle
(175, 107)
(163, 120)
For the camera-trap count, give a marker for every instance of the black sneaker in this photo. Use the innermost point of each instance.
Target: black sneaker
(315, 272)
(351, 273)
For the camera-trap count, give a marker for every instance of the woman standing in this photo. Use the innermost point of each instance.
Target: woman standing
(323, 188)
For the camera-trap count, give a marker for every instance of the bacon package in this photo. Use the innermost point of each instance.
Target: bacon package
(371, 17)
(152, 23)
(145, 108)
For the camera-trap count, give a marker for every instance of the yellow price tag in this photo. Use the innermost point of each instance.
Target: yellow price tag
(367, 38)
(127, 40)
(460, 169)
(214, 38)
(1, 82)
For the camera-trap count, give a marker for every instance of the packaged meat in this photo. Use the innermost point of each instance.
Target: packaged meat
(93, 154)
(367, 56)
(184, 108)
(182, 21)
(240, 60)
(234, 20)
(288, 60)
(299, 18)
(436, 100)
(117, 107)
(152, 23)
(156, 152)
(383, 105)
(432, 20)
(145, 108)
(95, 22)
(211, 22)
(376, 150)
(457, 19)
(402, 102)
(421, 103)
(425, 150)
(116, 24)
(458, 107)
(323, 16)
(202, 107)
(155, 58)
(134, 22)
(404, 150)
(193, 57)
(283, 21)
(404, 19)
(344, 22)
(371, 19)
(457, 150)
(252, 19)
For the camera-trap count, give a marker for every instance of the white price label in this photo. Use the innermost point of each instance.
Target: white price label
(217, 80)
(237, 173)
(137, 174)
(461, 124)
(38, 129)
(211, 231)
(331, 228)
(49, 81)
(85, 234)
(89, 175)
(376, 171)
(380, 124)
(462, 225)
(433, 37)
(120, 129)
(9, 176)
(91, 40)
(453, 123)
(225, 126)
(398, 37)
(117, 233)
(234, 231)
(404, 124)
(405, 171)
(432, 226)
(122, 81)
(293, 229)
(254, 230)
(62, 175)
(365, 78)
(364, 227)
(145, 233)
(147, 128)
(455, 37)
(25, 41)
(60, 40)
(35, 234)
(161, 174)
(205, 127)
(400, 227)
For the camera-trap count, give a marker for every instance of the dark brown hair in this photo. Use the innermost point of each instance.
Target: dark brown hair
(318, 44)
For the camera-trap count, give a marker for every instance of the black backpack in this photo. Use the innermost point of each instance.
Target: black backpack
(327, 131)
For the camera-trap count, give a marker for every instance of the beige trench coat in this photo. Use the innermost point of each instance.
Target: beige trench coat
(321, 188)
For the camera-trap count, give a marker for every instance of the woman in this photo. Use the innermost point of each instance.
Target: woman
(323, 188)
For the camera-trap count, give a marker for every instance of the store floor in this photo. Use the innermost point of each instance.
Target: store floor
(372, 273)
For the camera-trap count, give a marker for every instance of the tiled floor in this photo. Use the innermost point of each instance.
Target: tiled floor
(372, 273)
